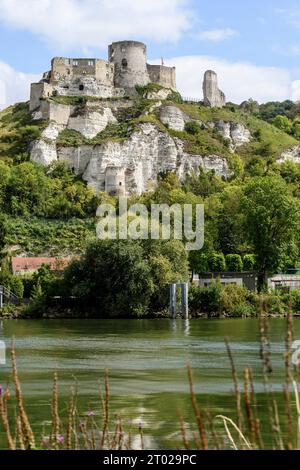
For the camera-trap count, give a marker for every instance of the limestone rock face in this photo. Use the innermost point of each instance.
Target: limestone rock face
(43, 152)
(146, 154)
(91, 122)
(292, 155)
(162, 94)
(172, 117)
(213, 97)
(236, 133)
(126, 166)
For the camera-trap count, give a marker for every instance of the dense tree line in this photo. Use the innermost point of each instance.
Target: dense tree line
(53, 192)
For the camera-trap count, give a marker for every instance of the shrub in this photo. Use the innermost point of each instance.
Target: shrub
(234, 301)
(234, 263)
(206, 300)
(16, 286)
(216, 262)
(249, 262)
(192, 127)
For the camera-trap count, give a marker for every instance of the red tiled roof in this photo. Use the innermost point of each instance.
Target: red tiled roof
(33, 264)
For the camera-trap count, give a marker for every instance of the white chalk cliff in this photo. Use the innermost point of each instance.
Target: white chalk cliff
(142, 157)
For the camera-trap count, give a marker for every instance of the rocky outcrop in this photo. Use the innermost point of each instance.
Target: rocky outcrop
(236, 133)
(172, 117)
(292, 155)
(91, 122)
(43, 152)
(162, 94)
(127, 166)
(146, 154)
(213, 97)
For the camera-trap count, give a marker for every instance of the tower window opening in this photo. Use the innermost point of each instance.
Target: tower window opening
(124, 63)
(81, 87)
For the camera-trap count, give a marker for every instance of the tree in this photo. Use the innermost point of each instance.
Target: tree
(249, 262)
(234, 263)
(283, 123)
(3, 233)
(126, 278)
(271, 222)
(216, 262)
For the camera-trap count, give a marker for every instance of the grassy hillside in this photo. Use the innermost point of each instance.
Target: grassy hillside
(17, 131)
(268, 140)
(38, 236)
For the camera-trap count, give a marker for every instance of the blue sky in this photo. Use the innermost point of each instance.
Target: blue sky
(253, 45)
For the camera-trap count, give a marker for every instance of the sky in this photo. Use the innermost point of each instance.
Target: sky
(253, 45)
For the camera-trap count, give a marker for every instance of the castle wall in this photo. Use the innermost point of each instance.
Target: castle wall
(213, 97)
(68, 69)
(129, 58)
(87, 86)
(164, 76)
(38, 92)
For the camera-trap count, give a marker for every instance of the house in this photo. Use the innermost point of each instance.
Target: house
(27, 266)
(289, 282)
(243, 279)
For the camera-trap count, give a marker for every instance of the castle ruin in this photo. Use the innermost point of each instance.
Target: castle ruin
(213, 97)
(127, 67)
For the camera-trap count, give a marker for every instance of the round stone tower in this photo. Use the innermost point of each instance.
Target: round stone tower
(130, 60)
(115, 181)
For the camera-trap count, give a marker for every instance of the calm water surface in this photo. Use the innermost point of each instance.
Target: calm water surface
(146, 360)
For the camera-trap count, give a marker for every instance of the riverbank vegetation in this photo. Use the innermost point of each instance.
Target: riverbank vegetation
(252, 219)
(268, 420)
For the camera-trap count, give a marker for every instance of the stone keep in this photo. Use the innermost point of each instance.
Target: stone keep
(127, 67)
(213, 97)
(130, 61)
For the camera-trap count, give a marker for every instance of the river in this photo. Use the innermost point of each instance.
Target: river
(146, 360)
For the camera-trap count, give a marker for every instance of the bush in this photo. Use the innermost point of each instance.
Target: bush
(205, 300)
(249, 262)
(216, 262)
(16, 286)
(234, 301)
(192, 127)
(234, 263)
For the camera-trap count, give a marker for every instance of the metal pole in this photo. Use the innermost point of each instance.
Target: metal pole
(185, 300)
(173, 306)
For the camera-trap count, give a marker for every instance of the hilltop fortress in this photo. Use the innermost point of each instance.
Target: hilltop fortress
(126, 68)
(114, 122)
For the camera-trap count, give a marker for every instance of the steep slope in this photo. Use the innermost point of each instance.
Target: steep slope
(141, 137)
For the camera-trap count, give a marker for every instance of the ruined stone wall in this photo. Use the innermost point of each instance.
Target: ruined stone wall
(38, 92)
(213, 97)
(129, 58)
(67, 69)
(164, 76)
(87, 86)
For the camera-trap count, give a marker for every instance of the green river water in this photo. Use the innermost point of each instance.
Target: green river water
(146, 360)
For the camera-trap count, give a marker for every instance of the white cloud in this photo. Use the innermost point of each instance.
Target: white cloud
(95, 23)
(216, 35)
(238, 80)
(14, 85)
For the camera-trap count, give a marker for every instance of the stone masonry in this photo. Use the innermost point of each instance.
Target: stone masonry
(213, 97)
(127, 67)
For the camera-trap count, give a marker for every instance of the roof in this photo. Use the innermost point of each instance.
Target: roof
(33, 264)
